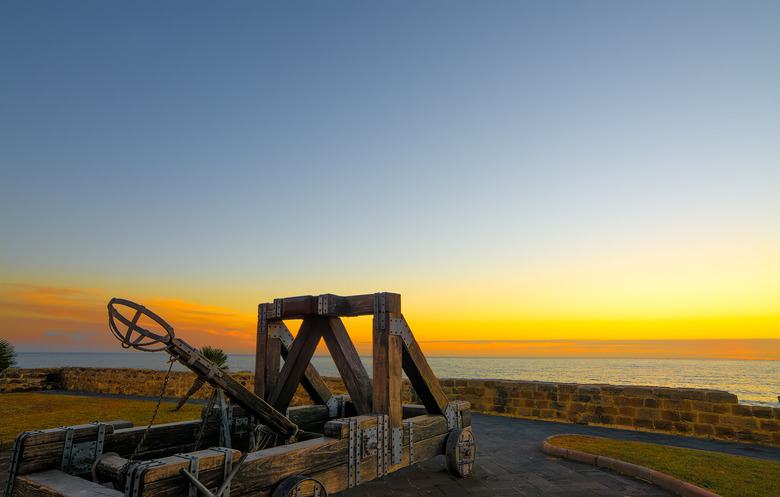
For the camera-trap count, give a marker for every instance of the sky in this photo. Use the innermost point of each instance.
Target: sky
(521, 172)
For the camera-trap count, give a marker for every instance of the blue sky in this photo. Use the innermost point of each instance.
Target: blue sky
(230, 153)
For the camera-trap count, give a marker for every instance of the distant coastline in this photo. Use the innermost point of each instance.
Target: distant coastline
(754, 382)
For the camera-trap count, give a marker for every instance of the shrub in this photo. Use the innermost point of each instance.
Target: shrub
(7, 355)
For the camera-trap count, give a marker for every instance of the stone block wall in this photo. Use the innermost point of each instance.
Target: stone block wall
(126, 381)
(27, 380)
(692, 412)
(147, 382)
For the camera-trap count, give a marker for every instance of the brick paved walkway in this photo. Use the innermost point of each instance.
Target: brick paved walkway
(510, 463)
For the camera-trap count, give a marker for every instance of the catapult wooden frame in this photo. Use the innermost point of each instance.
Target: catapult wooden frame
(335, 444)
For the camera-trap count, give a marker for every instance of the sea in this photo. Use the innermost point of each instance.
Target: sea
(754, 382)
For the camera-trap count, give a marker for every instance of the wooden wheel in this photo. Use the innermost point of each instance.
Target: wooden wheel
(300, 486)
(461, 452)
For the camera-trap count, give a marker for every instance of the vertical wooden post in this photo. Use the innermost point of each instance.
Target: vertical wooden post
(273, 361)
(261, 351)
(387, 359)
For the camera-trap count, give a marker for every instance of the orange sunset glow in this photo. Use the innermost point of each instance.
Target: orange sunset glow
(71, 319)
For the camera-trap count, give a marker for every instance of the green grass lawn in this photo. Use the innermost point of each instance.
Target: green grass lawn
(22, 412)
(728, 476)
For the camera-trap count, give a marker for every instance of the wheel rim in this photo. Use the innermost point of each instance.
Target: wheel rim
(461, 452)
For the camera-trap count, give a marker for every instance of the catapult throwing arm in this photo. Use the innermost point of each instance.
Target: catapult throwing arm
(141, 338)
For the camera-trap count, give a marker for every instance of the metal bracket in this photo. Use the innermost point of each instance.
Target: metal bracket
(135, 476)
(370, 441)
(358, 452)
(16, 459)
(77, 458)
(280, 331)
(278, 308)
(226, 419)
(333, 406)
(213, 371)
(380, 440)
(66, 452)
(454, 415)
(398, 437)
(241, 427)
(355, 452)
(194, 469)
(411, 440)
(399, 327)
(352, 452)
(227, 467)
(129, 478)
(380, 310)
(323, 304)
(450, 413)
(262, 319)
(383, 446)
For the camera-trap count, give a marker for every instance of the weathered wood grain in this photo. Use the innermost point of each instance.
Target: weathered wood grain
(264, 469)
(43, 450)
(196, 362)
(261, 352)
(273, 362)
(339, 428)
(387, 360)
(350, 367)
(312, 382)
(53, 483)
(421, 376)
(411, 410)
(298, 359)
(309, 305)
(336, 478)
(354, 305)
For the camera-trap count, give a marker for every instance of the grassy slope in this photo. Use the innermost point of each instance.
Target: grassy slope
(28, 411)
(729, 476)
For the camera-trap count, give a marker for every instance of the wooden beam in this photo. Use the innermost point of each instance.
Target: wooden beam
(353, 305)
(261, 351)
(326, 304)
(54, 483)
(387, 359)
(273, 363)
(299, 357)
(312, 381)
(264, 469)
(304, 305)
(350, 367)
(194, 360)
(421, 376)
(43, 450)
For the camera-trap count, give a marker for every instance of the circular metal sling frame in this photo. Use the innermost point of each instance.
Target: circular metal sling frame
(143, 339)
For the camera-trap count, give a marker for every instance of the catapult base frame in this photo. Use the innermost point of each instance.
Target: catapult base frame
(332, 453)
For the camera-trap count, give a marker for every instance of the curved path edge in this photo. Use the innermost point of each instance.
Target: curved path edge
(649, 475)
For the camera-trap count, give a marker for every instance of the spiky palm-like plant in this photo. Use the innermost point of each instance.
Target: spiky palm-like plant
(7, 355)
(213, 354)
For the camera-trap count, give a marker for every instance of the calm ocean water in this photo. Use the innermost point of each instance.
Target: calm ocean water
(754, 382)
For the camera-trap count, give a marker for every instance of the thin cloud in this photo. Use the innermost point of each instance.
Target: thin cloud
(74, 335)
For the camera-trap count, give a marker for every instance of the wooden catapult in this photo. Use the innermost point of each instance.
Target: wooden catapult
(259, 444)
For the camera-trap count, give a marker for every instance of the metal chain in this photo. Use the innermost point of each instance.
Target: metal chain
(151, 421)
(203, 423)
